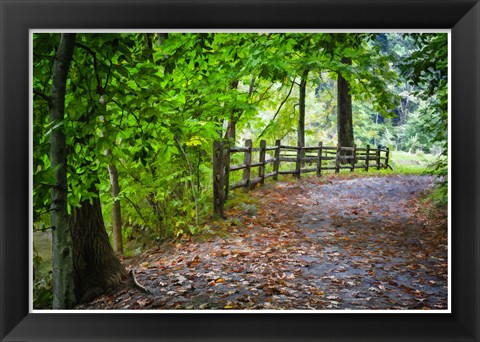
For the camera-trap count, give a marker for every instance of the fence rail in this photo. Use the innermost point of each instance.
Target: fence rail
(317, 158)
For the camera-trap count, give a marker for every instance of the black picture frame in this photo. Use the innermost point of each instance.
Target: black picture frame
(18, 16)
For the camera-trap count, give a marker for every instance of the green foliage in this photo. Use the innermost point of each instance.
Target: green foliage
(411, 163)
(427, 69)
(157, 102)
(43, 293)
(440, 194)
(42, 284)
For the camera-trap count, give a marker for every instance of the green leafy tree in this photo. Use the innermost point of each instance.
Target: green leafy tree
(427, 70)
(95, 268)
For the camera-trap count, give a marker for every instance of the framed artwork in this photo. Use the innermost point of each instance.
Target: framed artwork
(19, 323)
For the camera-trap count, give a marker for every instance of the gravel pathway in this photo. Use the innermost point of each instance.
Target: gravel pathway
(346, 244)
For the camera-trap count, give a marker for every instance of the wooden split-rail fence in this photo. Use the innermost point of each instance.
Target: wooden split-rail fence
(317, 159)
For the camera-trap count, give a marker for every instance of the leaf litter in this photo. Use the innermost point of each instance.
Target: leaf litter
(314, 244)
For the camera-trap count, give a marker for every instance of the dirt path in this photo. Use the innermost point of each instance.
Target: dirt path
(362, 243)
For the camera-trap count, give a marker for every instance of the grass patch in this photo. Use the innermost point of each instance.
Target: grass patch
(237, 197)
(411, 163)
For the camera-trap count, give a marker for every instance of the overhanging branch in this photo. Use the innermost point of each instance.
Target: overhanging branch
(278, 110)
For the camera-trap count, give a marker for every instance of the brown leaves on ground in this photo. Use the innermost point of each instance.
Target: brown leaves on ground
(360, 243)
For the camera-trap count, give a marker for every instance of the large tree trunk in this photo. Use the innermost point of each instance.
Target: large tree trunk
(97, 269)
(344, 117)
(63, 288)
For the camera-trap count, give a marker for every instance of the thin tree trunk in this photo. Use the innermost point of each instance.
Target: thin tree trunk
(115, 191)
(231, 132)
(117, 237)
(301, 117)
(404, 111)
(116, 210)
(62, 275)
(344, 118)
(97, 269)
(232, 122)
(231, 129)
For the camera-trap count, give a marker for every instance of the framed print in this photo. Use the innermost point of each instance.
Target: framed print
(454, 302)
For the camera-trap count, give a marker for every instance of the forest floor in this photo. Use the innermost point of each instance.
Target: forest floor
(336, 242)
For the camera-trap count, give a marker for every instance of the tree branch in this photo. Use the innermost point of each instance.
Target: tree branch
(42, 95)
(136, 209)
(278, 110)
(262, 96)
(191, 175)
(95, 65)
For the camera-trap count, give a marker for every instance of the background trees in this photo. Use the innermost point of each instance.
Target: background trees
(141, 112)
(426, 70)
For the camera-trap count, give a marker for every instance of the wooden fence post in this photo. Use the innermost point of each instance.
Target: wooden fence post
(218, 179)
(319, 159)
(387, 155)
(367, 157)
(276, 163)
(247, 160)
(298, 164)
(261, 168)
(378, 157)
(354, 156)
(337, 160)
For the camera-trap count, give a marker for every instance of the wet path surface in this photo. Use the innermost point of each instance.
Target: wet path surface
(352, 244)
